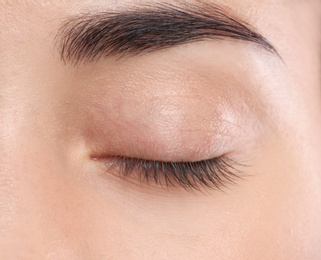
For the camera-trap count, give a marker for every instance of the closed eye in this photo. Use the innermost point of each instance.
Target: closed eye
(211, 174)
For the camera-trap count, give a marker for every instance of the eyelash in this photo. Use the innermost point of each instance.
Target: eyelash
(211, 174)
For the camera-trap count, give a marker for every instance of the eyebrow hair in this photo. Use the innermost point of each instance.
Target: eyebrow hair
(89, 37)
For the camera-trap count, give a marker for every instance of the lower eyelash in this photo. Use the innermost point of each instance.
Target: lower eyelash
(212, 174)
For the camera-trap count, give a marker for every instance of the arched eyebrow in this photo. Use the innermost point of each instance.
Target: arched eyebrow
(92, 36)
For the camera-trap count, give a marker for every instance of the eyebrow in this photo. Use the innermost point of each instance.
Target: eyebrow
(137, 30)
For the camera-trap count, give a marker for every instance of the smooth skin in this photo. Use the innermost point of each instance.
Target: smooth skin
(193, 102)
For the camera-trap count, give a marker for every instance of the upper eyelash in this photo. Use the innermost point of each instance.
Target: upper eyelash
(213, 173)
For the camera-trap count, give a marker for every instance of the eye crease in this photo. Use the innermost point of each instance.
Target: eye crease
(212, 174)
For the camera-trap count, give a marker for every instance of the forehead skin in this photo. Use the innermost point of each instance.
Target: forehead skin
(54, 204)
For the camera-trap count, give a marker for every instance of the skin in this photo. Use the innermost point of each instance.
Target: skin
(58, 202)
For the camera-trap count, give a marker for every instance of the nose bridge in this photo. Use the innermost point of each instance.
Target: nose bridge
(40, 188)
(32, 161)
(37, 205)
(27, 176)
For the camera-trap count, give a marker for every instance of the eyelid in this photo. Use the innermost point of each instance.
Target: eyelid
(213, 174)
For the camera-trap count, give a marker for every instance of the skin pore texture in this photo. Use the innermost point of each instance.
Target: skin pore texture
(62, 123)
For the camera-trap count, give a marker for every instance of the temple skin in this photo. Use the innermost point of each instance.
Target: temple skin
(61, 121)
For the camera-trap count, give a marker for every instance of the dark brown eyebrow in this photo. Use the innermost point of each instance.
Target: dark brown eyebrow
(152, 27)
